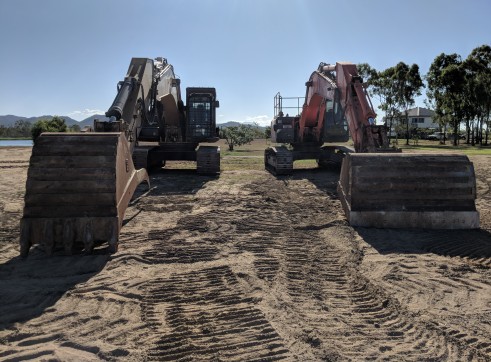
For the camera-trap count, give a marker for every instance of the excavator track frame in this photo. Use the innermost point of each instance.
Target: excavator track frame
(278, 160)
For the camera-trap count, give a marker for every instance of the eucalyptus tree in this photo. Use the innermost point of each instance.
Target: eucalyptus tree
(378, 85)
(238, 135)
(381, 86)
(447, 84)
(471, 110)
(478, 95)
(368, 74)
(396, 88)
(408, 85)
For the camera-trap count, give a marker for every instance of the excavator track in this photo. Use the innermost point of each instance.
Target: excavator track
(208, 160)
(278, 160)
(77, 190)
(431, 191)
(140, 157)
(332, 156)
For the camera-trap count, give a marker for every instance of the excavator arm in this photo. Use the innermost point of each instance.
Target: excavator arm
(319, 89)
(366, 136)
(149, 94)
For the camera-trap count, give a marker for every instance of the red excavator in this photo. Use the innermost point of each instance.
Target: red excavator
(379, 186)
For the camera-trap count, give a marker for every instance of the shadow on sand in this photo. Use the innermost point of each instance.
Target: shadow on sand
(472, 244)
(325, 179)
(173, 182)
(32, 285)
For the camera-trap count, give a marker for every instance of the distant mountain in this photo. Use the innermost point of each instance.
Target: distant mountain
(9, 120)
(90, 121)
(236, 124)
(228, 124)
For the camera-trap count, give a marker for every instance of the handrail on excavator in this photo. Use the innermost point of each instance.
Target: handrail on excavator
(279, 107)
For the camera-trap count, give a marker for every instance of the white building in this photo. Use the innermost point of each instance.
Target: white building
(421, 118)
(418, 117)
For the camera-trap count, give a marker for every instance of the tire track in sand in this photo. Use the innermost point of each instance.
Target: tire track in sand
(202, 315)
(319, 268)
(436, 272)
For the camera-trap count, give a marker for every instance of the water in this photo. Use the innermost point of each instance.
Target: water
(19, 143)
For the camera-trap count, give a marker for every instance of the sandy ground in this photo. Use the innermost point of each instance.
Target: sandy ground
(246, 267)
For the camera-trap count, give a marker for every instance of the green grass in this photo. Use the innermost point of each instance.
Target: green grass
(250, 157)
(15, 139)
(242, 153)
(255, 148)
(430, 146)
(237, 164)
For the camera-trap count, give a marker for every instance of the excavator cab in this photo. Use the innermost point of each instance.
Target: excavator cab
(336, 125)
(201, 104)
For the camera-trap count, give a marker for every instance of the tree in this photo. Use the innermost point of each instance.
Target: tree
(408, 84)
(55, 124)
(238, 135)
(3, 131)
(368, 74)
(74, 128)
(446, 88)
(22, 128)
(385, 89)
(396, 88)
(478, 94)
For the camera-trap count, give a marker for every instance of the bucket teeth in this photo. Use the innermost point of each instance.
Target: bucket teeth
(68, 237)
(48, 239)
(113, 241)
(25, 243)
(88, 238)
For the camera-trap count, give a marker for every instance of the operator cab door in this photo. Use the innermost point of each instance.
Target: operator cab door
(335, 124)
(200, 114)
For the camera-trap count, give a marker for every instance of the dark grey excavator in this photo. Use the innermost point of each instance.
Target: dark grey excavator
(79, 184)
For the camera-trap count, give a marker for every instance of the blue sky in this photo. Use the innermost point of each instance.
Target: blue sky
(66, 57)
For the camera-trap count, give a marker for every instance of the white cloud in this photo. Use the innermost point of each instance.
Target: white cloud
(262, 120)
(81, 115)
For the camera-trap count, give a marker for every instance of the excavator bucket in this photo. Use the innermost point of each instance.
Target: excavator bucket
(409, 191)
(78, 188)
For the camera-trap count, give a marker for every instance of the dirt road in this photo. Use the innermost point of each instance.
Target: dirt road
(246, 267)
